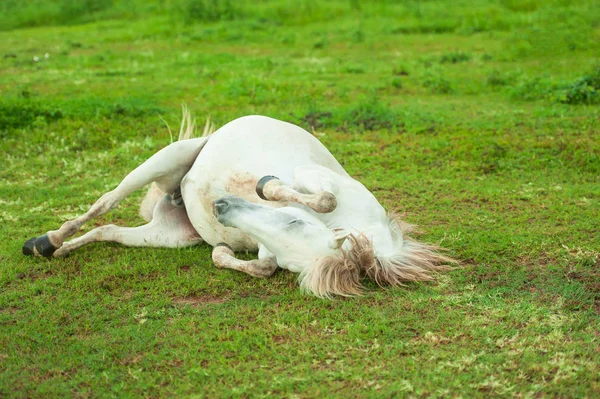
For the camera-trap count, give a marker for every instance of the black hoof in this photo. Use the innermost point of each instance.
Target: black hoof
(39, 246)
(223, 244)
(261, 185)
(28, 247)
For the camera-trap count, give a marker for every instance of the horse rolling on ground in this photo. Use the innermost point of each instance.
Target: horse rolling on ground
(260, 184)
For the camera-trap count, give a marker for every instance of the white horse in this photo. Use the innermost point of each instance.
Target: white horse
(260, 184)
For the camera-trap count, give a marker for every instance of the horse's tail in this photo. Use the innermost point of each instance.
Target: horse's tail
(334, 275)
(187, 130)
(412, 261)
(153, 195)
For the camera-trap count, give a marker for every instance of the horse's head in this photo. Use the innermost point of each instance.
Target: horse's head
(299, 241)
(294, 236)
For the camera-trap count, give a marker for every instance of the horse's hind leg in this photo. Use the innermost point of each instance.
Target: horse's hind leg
(224, 257)
(169, 227)
(314, 186)
(167, 167)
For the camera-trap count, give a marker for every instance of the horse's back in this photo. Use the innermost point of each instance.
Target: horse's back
(262, 145)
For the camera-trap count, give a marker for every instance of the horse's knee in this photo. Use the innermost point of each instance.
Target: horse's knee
(222, 255)
(224, 258)
(326, 202)
(263, 268)
(106, 203)
(260, 268)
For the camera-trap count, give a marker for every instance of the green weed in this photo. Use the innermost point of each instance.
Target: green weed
(455, 57)
(402, 70)
(522, 6)
(207, 10)
(367, 114)
(585, 90)
(19, 113)
(436, 82)
(498, 79)
(397, 83)
(370, 113)
(530, 89)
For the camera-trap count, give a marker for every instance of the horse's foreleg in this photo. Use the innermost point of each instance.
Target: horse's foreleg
(313, 187)
(167, 167)
(224, 257)
(169, 228)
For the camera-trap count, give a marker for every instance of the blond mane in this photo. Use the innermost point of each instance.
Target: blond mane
(341, 275)
(334, 275)
(412, 261)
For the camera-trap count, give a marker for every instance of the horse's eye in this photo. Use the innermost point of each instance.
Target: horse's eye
(296, 222)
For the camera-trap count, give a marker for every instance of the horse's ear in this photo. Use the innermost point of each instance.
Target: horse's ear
(338, 239)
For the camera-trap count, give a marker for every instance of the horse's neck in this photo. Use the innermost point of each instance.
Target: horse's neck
(359, 212)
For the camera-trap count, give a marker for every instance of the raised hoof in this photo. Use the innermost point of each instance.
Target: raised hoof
(261, 185)
(39, 246)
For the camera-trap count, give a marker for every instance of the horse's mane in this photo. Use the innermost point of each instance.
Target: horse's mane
(412, 260)
(335, 275)
(341, 275)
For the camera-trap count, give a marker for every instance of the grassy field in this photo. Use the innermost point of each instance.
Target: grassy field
(478, 120)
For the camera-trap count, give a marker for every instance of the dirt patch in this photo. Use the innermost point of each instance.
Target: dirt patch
(585, 277)
(491, 277)
(242, 184)
(131, 360)
(34, 275)
(280, 339)
(316, 120)
(589, 279)
(199, 300)
(10, 310)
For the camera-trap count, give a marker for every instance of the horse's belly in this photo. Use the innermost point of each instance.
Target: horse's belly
(232, 162)
(198, 195)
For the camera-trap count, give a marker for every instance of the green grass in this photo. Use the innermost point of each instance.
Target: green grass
(477, 120)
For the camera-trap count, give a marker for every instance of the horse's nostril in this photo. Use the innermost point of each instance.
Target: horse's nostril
(219, 206)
